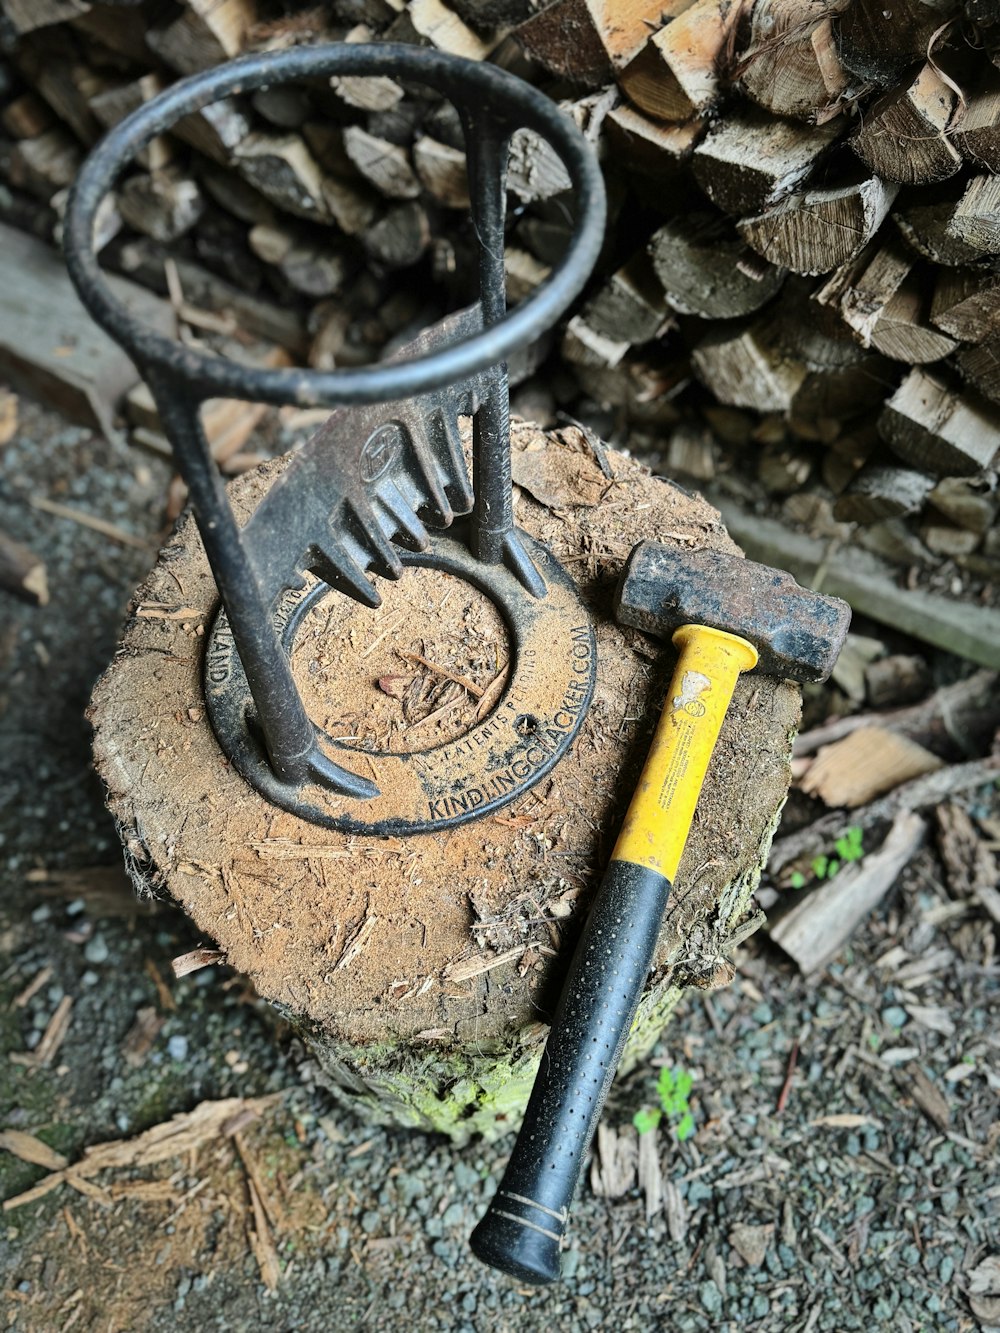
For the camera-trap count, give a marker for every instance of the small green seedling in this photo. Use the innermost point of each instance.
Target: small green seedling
(673, 1088)
(848, 847)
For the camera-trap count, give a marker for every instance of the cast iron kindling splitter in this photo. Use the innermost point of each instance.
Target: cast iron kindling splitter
(383, 484)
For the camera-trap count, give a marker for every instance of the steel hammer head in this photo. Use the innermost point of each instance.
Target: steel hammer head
(798, 633)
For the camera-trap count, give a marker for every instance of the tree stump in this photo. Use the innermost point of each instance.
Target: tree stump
(421, 970)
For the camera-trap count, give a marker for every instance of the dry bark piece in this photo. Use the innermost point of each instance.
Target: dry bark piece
(26, 116)
(814, 929)
(22, 572)
(675, 75)
(866, 764)
(706, 270)
(897, 679)
(585, 41)
(904, 134)
(790, 65)
(926, 423)
(814, 231)
(414, 893)
(751, 159)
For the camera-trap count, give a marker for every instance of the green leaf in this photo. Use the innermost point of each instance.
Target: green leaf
(684, 1083)
(849, 844)
(646, 1119)
(832, 867)
(685, 1128)
(819, 866)
(798, 880)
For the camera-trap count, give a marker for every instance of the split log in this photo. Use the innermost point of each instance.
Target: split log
(904, 135)
(929, 425)
(50, 346)
(631, 305)
(706, 269)
(878, 42)
(975, 221)
(861, 290)
(306, 264)
(384, 165)
(816, 230)
(897, 679)
(977, 136)
(868, 763)
(429, 22)
(749, 160)
(22, 572)
(903, 330)
(373, 93)
(675, 75)
(980, 366)
(281, 167)
(217, 130)
(406, 959)
(46, 164)
(26, 16)
(743, 369)
(790, 65)
(442, 171)
(585, 346)
(205, 34)
(966, 303)
(237, 196)
(399, 238)
(523, 273)
(68, 86)
(923, 218)
(26, 116)
(113, 104)
(879, 491)
(947, 540)
(647, 146)
(163, 205)
(970, 502)
(285, 107)
(586, 41)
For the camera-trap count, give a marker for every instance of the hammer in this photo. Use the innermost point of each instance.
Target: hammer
(727, 615)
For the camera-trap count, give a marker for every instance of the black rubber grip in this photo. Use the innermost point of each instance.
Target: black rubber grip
(522, 1231)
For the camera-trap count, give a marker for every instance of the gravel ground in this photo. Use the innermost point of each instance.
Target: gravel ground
(861, 1204)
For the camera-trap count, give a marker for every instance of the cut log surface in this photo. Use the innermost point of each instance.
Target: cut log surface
(707, 270)
(284, 171)
(880, 491)
(904, 135)
(744, 369)
(878, 41)
(750, 160)
(648, 146)
(406, 959)
(207, 33)
(966, 303)
(976, 219)
(928, 424)
(790, 64)
(977, 135)
(816, 230)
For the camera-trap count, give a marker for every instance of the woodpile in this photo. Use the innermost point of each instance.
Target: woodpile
(801, 269)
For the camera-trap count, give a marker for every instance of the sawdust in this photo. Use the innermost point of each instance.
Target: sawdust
(446, 936)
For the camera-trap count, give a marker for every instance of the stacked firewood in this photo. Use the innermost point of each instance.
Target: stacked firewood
(801, 266)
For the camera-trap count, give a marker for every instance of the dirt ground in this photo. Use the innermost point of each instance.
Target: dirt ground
(857, 1205)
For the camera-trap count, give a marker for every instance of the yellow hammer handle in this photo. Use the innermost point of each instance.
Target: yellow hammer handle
(659, 816)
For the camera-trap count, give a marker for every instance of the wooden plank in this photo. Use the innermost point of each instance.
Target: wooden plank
(50, 347)
(870, 585)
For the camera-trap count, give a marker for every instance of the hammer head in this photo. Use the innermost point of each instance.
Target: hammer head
(798, 633)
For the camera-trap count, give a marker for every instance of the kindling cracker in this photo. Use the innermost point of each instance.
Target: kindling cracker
(383, 484)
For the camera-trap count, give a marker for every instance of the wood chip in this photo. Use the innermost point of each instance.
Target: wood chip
(845, 1120)
(751, 1242)
(613, 1168)
(36, 983)
(649, 1173)
(475, 967)
(52, 1038)
(914, 1083)
(870, 761)
(141, 1035)
(185, 963)
(29, 1149)
(101, 525)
